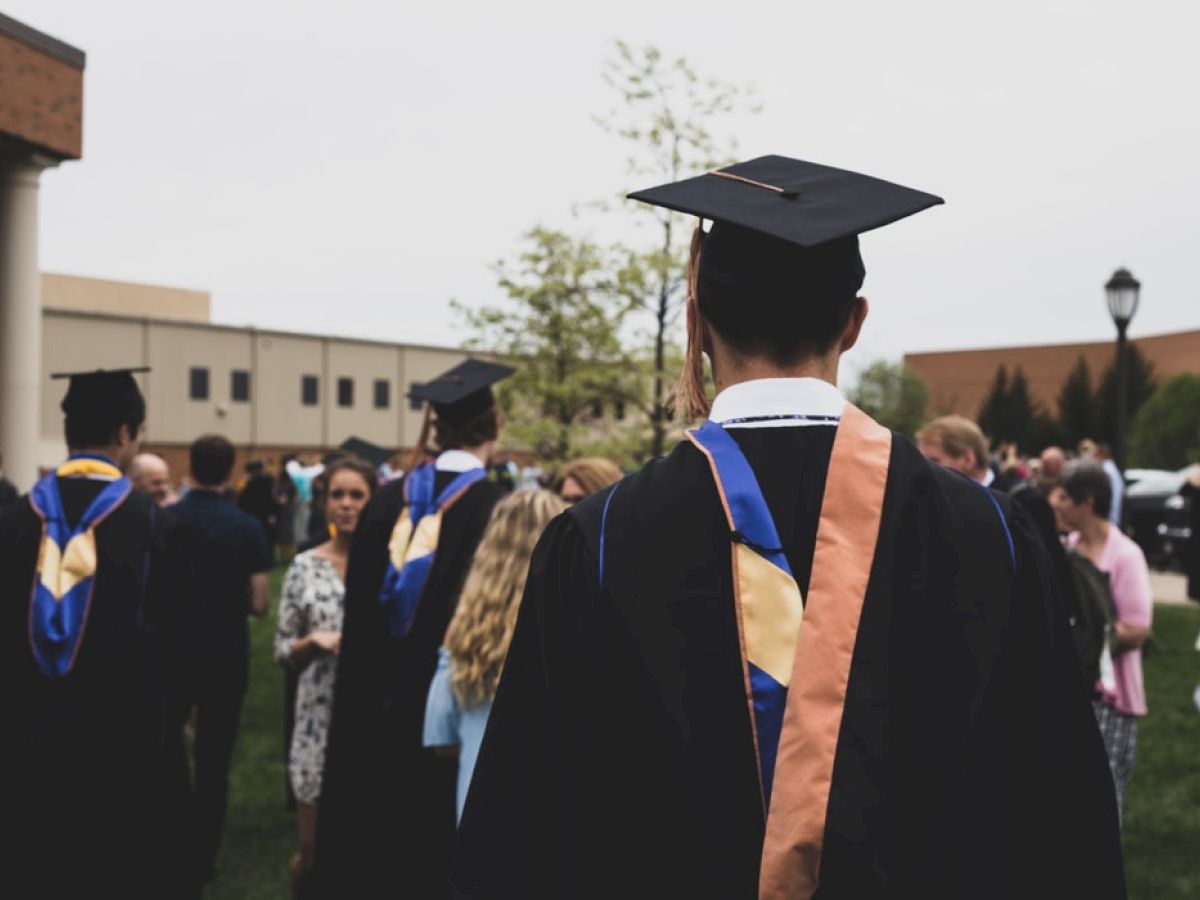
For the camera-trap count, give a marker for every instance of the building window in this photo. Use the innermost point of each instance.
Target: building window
(383, 393)
(239, 385)
(619, 412)
(308, 390)
(198, 383)
(416, 404)
(345, 388)
(597, 409)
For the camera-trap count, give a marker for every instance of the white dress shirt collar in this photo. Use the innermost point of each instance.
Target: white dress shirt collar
(457, 461)
(778, 403)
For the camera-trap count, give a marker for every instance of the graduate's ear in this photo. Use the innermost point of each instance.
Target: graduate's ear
(858, 314)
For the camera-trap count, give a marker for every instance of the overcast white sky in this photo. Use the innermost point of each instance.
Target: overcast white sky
(347, 168)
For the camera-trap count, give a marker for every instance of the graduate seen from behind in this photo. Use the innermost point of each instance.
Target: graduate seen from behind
(793, 658)
(387, 819)
(470, 662)
(92, 580)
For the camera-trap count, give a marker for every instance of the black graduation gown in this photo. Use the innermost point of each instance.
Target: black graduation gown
(619, 759)
(386, 820)
(94, 777)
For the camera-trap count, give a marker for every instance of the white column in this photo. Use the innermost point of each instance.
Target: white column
(20, 320)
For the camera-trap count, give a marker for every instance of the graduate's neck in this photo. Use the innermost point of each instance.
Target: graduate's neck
(111, 452)
(732, 368)
(1094, 532)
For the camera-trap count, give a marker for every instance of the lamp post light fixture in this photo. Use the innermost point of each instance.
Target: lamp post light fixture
(1123, 292)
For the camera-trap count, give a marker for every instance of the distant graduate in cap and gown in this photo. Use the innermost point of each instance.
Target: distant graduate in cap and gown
(792, 658)
(388, 803)
(92, 580)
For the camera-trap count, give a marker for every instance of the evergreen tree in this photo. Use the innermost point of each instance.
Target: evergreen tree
(1077, 405)
(1140, 386)
(993, 414)
(1020, 411)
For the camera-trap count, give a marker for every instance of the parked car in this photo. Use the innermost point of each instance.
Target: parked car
(1157, 516)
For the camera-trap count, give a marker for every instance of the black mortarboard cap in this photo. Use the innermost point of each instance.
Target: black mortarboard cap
(103, 392)
(782, 224)
(372, 453)
(799, 202)
(464, 391)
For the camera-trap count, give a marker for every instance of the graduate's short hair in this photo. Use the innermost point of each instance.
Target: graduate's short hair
(211, 459)
(96, 423)
(478, 429)
(767, 297)
(1086, 479)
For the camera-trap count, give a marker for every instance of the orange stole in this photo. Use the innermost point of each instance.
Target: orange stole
(847, 534)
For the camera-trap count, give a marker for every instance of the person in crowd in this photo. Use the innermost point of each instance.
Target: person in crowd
(93, 579)
(232, 559)
(585, 476)
(152, 477)
(1010, 469)
(1082, 507)
(469, 664)
(1052, 461)
(1191, 492)
(1103, 455)
(792, 657)
(302, 475)
(286, 501)
(307, 640)
(8, 490)
(257, 497)
(957, 443)
(387, 802)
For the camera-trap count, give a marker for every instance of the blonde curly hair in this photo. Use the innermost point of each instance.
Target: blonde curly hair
(482, 627)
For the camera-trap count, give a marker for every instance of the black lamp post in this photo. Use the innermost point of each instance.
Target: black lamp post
(1123, 292)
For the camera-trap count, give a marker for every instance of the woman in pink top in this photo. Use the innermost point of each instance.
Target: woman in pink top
(1082, 507)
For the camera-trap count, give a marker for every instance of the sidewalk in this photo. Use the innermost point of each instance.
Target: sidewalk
(1169, 588)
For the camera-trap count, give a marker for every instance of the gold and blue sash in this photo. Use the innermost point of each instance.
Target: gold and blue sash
(66, 567)
(798, 779)
(770, 608)
(414, 542)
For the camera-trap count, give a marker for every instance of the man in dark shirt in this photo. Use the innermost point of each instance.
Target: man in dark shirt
(232, 559)
(8, 490)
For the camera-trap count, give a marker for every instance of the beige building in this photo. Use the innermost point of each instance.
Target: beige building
(270, 392)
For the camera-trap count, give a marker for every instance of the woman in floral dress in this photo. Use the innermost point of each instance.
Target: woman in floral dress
(308, 637)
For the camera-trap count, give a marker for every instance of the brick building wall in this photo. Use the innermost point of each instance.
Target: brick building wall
(959, 380)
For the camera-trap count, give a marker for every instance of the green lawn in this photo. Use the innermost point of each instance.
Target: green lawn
(1162, 827)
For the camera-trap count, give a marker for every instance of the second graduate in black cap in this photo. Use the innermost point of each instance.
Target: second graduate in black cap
(793, 658)
(388, 803)
(92, 582)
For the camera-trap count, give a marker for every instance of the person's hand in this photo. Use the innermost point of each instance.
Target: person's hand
(327, 641)
(1193, 476)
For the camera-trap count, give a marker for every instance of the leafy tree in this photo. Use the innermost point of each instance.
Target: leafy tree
(664, 114)
(1076, 405)
(893, 395)
(1140, 387)
(560, 327)
(1166, 431)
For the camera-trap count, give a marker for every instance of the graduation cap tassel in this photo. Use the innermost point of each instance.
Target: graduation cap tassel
(690, 395)
(417, 456)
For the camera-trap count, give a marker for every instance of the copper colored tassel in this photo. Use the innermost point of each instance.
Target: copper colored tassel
(417, 455)
(690, 395)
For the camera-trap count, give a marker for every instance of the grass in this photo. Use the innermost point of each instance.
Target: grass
(1162, 817)
(1162, 813)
